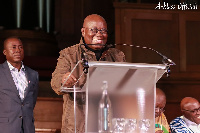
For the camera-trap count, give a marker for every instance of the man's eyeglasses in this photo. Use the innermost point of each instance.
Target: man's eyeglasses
(192, 111)
(159, 110)
(95, 30)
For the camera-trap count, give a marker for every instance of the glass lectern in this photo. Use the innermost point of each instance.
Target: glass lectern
(131, 87)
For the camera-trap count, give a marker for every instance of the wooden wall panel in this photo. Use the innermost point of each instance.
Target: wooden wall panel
(159, 40)
(192, 27)
(68, 22)
(193, 42)
(189, 39)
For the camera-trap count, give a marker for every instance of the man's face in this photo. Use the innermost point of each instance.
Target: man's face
(192, 112)
(95, 32)
(13, 50)
(160, 104)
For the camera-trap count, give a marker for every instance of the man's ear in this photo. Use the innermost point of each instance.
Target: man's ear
(83, 32)
(4, 52)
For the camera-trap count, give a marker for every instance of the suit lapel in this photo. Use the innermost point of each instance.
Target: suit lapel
(11, 82)
(29, 79)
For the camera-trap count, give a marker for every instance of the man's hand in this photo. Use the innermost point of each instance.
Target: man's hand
(70, 81)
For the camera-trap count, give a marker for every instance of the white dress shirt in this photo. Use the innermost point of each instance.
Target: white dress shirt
(19, 78)
(192, 125)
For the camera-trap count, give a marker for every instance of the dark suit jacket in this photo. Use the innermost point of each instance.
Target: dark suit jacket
(12, 109)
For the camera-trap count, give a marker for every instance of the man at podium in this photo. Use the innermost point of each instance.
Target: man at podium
(92, 48)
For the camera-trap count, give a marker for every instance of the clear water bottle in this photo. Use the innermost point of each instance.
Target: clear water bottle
(105, 111)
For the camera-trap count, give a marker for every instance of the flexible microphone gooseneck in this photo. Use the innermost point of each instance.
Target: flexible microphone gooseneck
(165, 58)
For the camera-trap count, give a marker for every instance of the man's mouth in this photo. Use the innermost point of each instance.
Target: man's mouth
(18, 56)
(97, 41)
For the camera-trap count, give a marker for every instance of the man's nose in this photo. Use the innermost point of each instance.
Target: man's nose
(18, 49)
(99, 32)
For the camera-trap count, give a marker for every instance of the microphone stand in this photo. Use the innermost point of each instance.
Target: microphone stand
(70, 74)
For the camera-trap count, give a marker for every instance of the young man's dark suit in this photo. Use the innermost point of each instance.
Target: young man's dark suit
(12, 109)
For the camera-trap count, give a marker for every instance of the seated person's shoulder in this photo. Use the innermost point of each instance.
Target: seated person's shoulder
(176, 121)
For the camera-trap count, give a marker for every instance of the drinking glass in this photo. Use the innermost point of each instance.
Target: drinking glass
(131, 125)
(144, 124)
(118, 125)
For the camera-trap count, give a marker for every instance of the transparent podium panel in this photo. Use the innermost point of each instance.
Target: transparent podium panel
(131, 89)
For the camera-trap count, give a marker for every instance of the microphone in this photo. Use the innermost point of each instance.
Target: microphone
(84, 61)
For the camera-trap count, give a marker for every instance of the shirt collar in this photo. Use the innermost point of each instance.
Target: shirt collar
(188, 122)
(11, 67)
